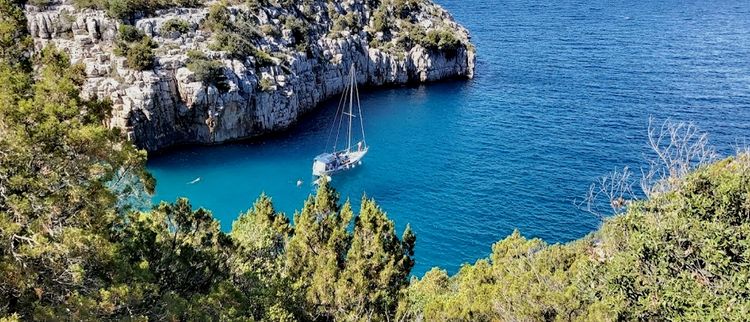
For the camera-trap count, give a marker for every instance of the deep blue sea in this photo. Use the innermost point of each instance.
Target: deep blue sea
(562, 95)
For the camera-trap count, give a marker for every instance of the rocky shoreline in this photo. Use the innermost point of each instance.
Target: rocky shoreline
(167, 106)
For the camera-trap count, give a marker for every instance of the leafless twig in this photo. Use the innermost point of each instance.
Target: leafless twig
(610, 194)
(678, 148)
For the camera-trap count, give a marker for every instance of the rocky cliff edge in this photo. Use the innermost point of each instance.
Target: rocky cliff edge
(390, 42)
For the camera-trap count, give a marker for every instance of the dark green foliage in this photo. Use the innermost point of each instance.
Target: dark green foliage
(137, 48)
(380, 21)
(128, 33)
(348, 22)
(341, 274)
(236, 38)
(71, 251)
(15, 42)
(175, 25)
(270, 30)
(58, 174)
(73, 248)
(128, 9)
(208, 71)
(40, 3)
(404, 8)
(441, 40)
(412, 35)
(140, 56)
(681, 255)
(299, 32)
(265, 84)
(255, 5)
(218, 18)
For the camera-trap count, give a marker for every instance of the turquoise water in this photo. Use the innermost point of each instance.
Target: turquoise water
(562, 94)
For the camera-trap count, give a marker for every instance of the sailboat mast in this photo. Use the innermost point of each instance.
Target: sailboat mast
(351, 97)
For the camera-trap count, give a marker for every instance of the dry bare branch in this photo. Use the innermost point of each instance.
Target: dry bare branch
(609, 195)
(678, 148)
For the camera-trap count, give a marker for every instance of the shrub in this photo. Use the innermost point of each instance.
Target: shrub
(40, 3)
(121, 9)
(136, 47)
(127, 9)
(209, 72)
(348, 22)
(380, 21)
(233, 44)
(175, 25)
(265, 84)
(218, 18)
(254, 5)
(262, 58)
(441, 40)
(410, 36)
(270, 30)
(404, 8)
(128, 33)
(299, 30)
(140, 56)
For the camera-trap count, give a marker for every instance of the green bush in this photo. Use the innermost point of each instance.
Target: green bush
(128, 33)
(127, 9)
(265, 84)
(410, 35)
(270, 30)
(380, 21)
(136, 47)
(441, 39)
(210, 72)
(262, 58)
(299, 30)
(140, 55)
(175, 25)
(218, 18)
(40, 3)
(681, 255)
(348, 22)
(233, 44)
(254, 5)
(404, 8)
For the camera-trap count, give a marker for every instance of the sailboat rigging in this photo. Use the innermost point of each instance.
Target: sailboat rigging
(342, 159)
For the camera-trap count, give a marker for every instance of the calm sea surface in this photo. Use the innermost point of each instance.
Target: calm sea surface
(562, 95)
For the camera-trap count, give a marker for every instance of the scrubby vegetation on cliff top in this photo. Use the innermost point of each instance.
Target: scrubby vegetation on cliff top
(394, 26)
(72, 247)
(681, 255)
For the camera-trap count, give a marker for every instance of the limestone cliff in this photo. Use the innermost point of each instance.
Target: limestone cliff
(166, 105)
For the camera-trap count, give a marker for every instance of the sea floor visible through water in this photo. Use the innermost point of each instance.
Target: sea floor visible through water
(562, 95)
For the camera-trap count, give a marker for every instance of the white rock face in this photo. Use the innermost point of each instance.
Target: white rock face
(166, 106)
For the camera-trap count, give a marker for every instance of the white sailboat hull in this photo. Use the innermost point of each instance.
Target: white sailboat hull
(329, 163)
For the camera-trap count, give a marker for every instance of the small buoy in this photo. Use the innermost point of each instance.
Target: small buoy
(299, 183)
(360, 162)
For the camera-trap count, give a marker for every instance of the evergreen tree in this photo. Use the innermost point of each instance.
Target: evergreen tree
(377, 267)
(317, 251)
(345, 274)
(55, 206)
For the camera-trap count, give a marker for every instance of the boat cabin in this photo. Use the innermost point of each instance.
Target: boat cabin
(324, 163)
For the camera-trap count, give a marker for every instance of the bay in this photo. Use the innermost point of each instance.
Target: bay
(562, 95)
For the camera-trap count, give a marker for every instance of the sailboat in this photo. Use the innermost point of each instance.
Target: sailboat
(337, 160)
